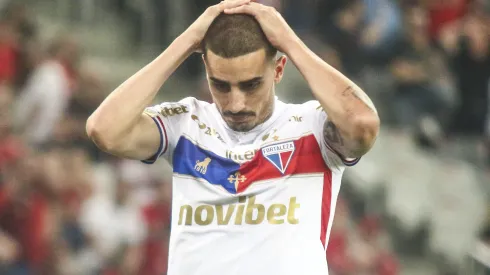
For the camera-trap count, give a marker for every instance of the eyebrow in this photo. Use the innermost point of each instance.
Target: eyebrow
(255, 79)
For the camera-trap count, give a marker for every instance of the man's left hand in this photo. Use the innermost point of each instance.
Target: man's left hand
(278, 32)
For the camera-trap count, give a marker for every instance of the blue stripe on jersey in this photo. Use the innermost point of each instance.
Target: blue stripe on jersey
(351, 162)
(190, 159)
(346, 162)
(154, 158)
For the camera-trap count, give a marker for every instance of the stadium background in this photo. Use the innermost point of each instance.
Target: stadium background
(416, 204)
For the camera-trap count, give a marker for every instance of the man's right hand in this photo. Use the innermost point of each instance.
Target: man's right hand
(135, 135)
(198, 29)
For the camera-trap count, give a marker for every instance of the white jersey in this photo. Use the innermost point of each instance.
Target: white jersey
(260, 202)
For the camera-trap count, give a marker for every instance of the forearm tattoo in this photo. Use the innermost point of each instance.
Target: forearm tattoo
(359, 95)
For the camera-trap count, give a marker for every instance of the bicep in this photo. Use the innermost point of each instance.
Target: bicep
(142, 142)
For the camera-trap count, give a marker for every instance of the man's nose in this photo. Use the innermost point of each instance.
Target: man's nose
(237, 101)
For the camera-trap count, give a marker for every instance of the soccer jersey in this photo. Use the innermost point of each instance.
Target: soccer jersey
(256, 202)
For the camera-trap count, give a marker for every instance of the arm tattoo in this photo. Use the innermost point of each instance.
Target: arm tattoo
(359, 95)
(332, 134)
(342, 145)
(342, 142)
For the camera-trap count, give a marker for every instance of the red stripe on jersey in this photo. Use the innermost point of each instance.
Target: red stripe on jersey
(306, 158)
(326, 203)
(165, 133)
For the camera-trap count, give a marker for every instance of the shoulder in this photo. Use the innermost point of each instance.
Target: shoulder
(308, 116)
(309, 108)
(187, 103)
(182, 108)
(194, 103)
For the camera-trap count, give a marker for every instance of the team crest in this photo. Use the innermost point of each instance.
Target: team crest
(279, 154)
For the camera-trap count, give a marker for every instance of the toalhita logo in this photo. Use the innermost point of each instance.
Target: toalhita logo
(246, 211)
(171, 111)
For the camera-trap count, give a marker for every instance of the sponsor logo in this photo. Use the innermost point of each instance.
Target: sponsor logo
(207, 130)
(279, 154)
(202, 166)
(296, 118)
(171, 111)
(246, 211)
(246, 156)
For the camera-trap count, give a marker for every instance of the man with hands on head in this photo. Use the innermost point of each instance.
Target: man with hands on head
(255, 180)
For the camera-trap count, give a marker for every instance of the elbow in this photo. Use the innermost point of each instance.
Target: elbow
(97, 133)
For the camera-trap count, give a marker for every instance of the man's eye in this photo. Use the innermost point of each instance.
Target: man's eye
(222, 87)
(250, 86)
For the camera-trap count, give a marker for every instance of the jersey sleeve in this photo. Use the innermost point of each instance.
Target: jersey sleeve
(331, 157)
(170, 118)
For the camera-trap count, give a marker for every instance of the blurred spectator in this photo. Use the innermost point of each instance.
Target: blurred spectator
(479, 258)
(17, 16)
(370, 252)
(467, 43)
(343, 35)
(338, 258)
(11, 147)
(298, 14)
(45, 97)
(383, 26)
(157, 217)
(422, 82)
(118, 230)
(25, 213)
(8, 53)
(90, 92)
(443, 13)
(140, 178)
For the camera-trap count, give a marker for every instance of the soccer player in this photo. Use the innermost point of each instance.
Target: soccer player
(255, 180)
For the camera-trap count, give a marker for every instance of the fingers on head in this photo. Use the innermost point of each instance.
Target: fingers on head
(229, 4)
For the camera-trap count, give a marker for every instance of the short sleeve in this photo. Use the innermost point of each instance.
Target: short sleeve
(318, 117)
(169, 118)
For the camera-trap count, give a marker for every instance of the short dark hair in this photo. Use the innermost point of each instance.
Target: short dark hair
(233, 35)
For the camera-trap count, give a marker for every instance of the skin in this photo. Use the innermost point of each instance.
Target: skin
(135, 136)
(352, 124)
(243, 87)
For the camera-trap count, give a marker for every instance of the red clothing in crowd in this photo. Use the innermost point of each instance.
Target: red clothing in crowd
(25, 222)
(337, 256)
(157, 217)
(442, 13)
(8, 62)
(10, 150)
(387, 265)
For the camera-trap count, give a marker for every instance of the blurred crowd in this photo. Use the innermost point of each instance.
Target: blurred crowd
(67, 208)
(55, 217)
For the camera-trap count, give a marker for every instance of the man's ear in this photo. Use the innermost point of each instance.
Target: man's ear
(280, 64)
